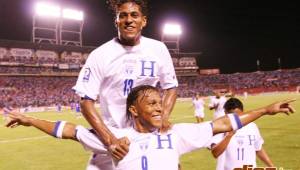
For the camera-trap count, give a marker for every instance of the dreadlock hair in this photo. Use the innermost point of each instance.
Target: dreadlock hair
(137, 91)
(233, 103)
(115, 4)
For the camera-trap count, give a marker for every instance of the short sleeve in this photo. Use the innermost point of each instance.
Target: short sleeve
(167, 72)
(193, 136)
(89, 79)
(212, 102)
(259, 140)
(216, 139)
(89, 140)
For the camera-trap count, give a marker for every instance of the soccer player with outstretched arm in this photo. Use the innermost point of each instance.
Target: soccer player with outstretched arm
(151, 148)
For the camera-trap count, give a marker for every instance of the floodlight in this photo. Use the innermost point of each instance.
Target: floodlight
(64, 29)
(72, 14)
(47, 9)
(172, 29)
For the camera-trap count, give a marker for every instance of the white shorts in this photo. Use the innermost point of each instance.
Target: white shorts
(199, 113)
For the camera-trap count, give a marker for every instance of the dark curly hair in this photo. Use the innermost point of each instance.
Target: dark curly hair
(137, 91)
(233, 103)
(115, 4)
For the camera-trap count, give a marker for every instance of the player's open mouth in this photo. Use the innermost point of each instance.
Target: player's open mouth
(156, 117)
(129, 28)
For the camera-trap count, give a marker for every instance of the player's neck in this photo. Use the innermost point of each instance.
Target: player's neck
(139, 127)
(131, 42)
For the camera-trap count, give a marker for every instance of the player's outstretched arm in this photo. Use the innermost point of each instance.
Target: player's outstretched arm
(263, 156)
(117, 147)
(49, 127)
(234, 121)
(218, 149)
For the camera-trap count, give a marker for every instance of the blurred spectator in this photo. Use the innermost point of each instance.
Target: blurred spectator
(254, 82)
(24, 90)
(37, 91)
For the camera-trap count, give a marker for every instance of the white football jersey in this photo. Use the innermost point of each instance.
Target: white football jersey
(219, 102)
(112, 70)
(199, 106)
(241, 149)
(152, 151)
(221, 158)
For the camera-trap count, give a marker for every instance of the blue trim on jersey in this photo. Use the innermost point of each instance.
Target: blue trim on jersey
(56, 128)
(238, 121)
(212, 126)
(76, 130)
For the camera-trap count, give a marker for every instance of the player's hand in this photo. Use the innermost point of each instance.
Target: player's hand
(231, 133)
(280, 107)
(16, 119)
(119, 148)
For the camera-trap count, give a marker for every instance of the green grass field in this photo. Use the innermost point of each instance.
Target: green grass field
(25, 148)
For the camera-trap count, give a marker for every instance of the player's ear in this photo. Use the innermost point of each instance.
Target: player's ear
(116, 22)
(144, 21)
(133, 111)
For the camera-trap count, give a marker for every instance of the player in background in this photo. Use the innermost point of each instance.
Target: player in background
(4, 115)
(114, 68)
(245, 95)
(4, 110)
(237, 148)
(150, 148)
(72, 106)
(77, 110)
(199, 104)
(216, 103)
(58, 107)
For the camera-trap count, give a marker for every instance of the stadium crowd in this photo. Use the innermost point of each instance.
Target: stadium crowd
(254, 82)
(26, 91)
(37, 91)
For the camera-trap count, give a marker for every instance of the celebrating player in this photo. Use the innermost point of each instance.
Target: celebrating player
(113, 69)
(150, 148)
(238, 148)
(199, 103)
(216, 103)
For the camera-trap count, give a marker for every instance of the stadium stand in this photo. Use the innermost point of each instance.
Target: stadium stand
(43, 75)
(254, 82)
(37, 91)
